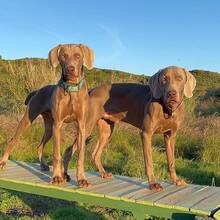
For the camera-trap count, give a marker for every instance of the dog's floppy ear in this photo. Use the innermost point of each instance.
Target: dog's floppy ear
(53, 56)
(154, 84)
(190, 84)
(88, 56)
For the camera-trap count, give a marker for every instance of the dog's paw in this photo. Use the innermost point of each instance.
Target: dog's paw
(156, 187)
(66, 177)
(180, 182)
(83, 183)
(2, 164)
(106, 175)
(57, 180)
(44, 167)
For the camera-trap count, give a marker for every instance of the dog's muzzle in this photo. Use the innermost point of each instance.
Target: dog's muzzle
(70, 74)
(172, 101)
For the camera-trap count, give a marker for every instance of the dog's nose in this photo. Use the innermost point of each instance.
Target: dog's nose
(71, 69)
(172, 93)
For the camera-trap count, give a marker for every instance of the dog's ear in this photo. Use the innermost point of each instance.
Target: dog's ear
(190, 84)
(53, 56)
(88, 56)
(154, 84)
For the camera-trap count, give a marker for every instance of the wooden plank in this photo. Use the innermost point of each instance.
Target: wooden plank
(159, 195)
(98, 180)
(18, 170)
(25, 175)
(27, 166)
(122, 191)
(143, 191)
(210, 204)
(176, 197)
(198, 196)
(14, 169)
(102, 187)
(116, 188)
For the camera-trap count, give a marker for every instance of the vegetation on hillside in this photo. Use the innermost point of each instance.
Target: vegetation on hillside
(197, 147)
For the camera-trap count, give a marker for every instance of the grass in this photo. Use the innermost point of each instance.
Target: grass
(16, 205)
(197, 147)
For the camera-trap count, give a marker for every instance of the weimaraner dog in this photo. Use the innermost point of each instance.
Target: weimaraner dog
(67, 101)
(157, 108)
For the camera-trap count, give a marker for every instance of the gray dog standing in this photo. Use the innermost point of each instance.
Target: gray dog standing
(67, 101)
(157, 108)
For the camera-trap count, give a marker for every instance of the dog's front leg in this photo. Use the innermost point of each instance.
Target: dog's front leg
(147, 148)
(170, 139)
(57, 167)
(80, 174)
(147, 133)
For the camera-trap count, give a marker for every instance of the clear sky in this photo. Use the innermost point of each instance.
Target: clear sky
(138, 36)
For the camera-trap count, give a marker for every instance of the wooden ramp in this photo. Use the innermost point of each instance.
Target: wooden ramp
(120, 192)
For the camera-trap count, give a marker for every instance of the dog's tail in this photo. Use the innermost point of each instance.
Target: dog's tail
(30, 95)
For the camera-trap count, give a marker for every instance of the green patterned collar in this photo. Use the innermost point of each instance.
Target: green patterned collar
(69, 87)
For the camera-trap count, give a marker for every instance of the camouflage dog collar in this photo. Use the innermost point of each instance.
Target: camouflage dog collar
(69, 87)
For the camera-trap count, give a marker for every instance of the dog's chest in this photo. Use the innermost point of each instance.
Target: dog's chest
(72, 106)
(167, 124)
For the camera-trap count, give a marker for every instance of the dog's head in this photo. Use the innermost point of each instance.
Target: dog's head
(170, 84)
(71, 57)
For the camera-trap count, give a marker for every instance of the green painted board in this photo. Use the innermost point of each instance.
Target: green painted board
(120, 192)
(216, 215)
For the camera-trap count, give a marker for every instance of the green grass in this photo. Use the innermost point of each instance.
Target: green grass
(197, 147)
(16, 205)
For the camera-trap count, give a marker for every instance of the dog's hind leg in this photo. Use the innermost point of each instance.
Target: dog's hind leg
(105, 131)
(24, 123)
(48, 126)
(33, 109)
(67, 157)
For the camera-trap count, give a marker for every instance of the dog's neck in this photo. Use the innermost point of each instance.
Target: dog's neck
(70, 87)
(168, 113)
(171, 113)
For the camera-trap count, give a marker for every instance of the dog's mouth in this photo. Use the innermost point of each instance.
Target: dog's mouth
(172, 104)
(72, 77)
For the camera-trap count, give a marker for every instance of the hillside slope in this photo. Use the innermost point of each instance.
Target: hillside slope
(19, 77)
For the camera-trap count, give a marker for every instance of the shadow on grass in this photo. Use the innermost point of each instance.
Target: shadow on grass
(199, 176)
(40, 207)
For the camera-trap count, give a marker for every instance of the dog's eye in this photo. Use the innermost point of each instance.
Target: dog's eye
(77, 56)
(164, 79)
(65, 56)
(179, 78)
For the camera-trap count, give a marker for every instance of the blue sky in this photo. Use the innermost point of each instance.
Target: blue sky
(134, 36)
